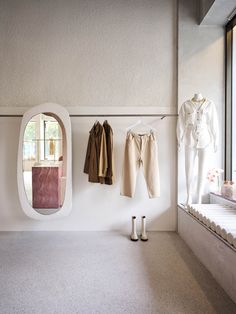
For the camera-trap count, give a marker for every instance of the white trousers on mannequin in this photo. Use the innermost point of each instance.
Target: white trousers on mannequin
(191, 154)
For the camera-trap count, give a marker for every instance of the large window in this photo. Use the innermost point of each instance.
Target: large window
(234, 106)
(29, 141)
(230, 122)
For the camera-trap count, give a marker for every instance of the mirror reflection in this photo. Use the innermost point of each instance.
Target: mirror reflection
(43, 163)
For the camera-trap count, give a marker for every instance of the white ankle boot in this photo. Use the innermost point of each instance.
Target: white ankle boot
(134, 236)
(143, 229)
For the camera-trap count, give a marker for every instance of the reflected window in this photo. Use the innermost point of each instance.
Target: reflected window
(52, 140)
(30, 141)
(43, 171)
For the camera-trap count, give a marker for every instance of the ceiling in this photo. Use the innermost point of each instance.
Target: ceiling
(216, 12)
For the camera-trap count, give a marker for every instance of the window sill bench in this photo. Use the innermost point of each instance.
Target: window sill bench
(216, 254)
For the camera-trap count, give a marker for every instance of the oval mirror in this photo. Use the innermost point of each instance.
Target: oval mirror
(44, 162)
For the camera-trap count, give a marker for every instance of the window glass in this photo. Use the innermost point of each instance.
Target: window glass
(29, 141)
(234, 106)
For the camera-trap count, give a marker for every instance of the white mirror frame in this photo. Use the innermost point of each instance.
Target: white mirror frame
(62, 114)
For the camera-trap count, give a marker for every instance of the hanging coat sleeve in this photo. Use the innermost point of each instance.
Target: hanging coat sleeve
(103, 156)
(87, 158)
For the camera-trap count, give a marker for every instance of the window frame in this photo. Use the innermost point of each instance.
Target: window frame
(56, 140)
(229, 97)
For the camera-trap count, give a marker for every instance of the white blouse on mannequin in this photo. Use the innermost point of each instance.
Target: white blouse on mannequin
(198, 124)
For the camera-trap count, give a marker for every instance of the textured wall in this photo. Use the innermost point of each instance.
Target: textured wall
(104, 53)
(87, 52)
(115, 53)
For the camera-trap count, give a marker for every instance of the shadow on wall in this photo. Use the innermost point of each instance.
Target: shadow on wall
(80, 139)
(161, 220)
(197, 38)
(9, 189)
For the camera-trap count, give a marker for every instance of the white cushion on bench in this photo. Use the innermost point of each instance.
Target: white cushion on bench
(219, 218)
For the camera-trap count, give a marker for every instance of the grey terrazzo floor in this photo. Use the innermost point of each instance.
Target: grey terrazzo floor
(103, 272)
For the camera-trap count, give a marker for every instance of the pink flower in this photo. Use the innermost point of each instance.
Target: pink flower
(213, 174)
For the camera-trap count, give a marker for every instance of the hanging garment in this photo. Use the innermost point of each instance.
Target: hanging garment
(140, 151)
(96, 143)
(197, 124)
(106, 169)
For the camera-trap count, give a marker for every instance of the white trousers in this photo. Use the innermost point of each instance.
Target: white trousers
(140, 151)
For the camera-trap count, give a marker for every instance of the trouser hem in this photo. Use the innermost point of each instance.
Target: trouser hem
(127, 195)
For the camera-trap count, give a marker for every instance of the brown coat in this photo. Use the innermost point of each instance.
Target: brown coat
(92, 159)
(108, 176)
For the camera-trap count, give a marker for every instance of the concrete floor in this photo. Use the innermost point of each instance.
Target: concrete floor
(103, 272)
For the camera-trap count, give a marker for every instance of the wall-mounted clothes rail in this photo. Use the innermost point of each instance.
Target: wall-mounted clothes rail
(11, 115)
(125, 115)
(104, 115)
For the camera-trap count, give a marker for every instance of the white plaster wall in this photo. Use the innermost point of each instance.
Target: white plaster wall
(95, 206)
(104, 53)
(88, 52)
(200, 70)
(83, 53)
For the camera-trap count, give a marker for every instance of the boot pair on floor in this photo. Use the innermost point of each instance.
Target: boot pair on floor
(134, 235)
